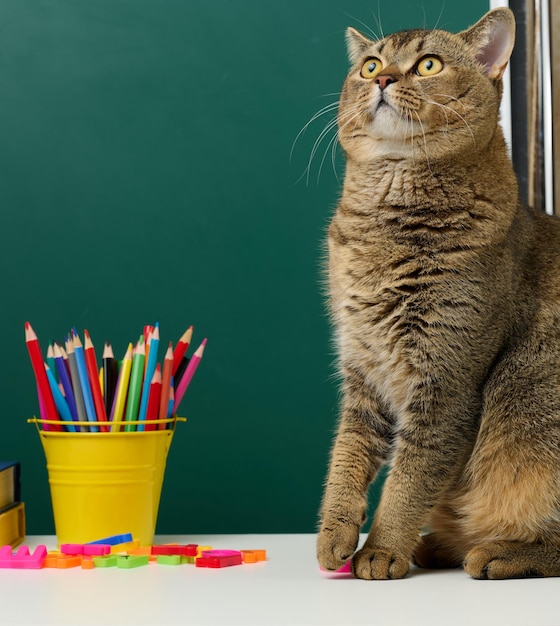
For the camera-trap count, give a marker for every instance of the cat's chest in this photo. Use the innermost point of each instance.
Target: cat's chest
(397, 296)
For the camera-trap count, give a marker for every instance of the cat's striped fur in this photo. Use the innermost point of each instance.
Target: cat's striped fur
(445, 297)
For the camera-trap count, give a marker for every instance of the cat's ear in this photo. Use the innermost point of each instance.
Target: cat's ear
(493, 38)
(357, 44)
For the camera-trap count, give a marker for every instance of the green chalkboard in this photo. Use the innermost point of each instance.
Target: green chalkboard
(147, 174)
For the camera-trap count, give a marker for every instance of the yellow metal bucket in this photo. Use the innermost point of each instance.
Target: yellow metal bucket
(105, 483)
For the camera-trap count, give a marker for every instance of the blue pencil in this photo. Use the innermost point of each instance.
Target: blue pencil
(59, 400)
(171, 401)
(150, 369)
(65, 380)
(84, 380)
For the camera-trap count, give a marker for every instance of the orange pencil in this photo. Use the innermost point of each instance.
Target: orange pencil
(166, 382)
(153, 400)
(181, 348)
(93, 375)
(43, 386)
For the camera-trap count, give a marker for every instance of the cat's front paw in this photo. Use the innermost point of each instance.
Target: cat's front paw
(379, 564)
(336, 544)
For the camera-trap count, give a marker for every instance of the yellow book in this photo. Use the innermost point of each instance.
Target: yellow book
(9, 483)
(12, 525)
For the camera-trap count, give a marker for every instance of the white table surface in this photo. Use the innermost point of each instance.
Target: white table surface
(287, 590)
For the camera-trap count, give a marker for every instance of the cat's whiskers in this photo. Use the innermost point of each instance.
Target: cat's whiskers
(409, 124)
(327, 109)
(368, 29)
(333, 143)
(349, 115)
(331, 147)
(448, 108)
(425, 142)
(326, 130)
(323, 111)
(377, 18)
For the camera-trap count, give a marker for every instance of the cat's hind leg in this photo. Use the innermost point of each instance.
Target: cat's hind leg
(510, 508)
(512, 559)
(433, 552)
(442, 547)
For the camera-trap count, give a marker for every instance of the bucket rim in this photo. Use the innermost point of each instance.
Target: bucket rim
(169, 423)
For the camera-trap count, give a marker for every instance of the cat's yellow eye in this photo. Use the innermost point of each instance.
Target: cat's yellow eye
(429, 66)
(371, 68)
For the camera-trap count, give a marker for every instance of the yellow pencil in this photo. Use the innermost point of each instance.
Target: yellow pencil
(122, 389)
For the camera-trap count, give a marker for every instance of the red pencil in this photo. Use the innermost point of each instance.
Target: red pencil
(153, 400)
(37, 363)
(166, 382)
(93, 375)
(147, 331)
(181, 348)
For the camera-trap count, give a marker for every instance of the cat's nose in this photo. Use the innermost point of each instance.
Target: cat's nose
(385, 79)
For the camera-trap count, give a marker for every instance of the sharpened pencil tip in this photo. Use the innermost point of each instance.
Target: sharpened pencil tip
(29, 333)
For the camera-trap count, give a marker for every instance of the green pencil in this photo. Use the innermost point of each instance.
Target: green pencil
(135, 385)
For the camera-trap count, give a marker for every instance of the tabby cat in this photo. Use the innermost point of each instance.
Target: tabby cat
(445, 297)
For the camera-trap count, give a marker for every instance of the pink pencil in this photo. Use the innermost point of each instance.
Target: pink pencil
(187, 377)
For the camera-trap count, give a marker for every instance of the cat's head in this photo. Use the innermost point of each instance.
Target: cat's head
(425, 93)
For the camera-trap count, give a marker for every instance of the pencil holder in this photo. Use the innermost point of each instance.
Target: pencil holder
(105, 483)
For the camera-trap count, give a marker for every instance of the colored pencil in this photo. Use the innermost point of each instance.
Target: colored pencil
(84, 379)
(170, 406)
(189, 373)
(40, 375)
(150, 368)
(135, 385)
(76, 386)
(50, 359)
(181, 348)
(60, 400)
(121, 392)
(153, 402)
(65, 381)
(71, 388)
(181, 370)
(110, 376)
(64, 358)
(147, 330)
(93, 375)
(166, 382)
(42, 411)
(147, 344)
